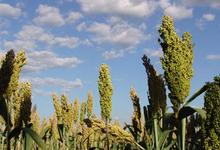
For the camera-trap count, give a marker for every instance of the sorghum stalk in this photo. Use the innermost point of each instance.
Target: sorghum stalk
(157, 96)
(6, 71)
(26, 103)
(75, 110)
(17, 122)
(89, 104)
(54, 130)
(35, 119)
(156, 88)
(177, 64)
(75, 119)
(65, 109)
(18, 63)
(212, 123)
(82, 112)
(177, 61)
(136, 118)
(105, 91)
(57, 107)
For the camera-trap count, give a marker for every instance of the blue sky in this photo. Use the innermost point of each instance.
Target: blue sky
(67, 40)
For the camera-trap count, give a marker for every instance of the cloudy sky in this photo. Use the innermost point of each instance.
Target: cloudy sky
(67, 40)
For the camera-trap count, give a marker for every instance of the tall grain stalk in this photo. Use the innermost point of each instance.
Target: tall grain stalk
(136, 117)
(6, 71)
(177, 65)
(18, 63)
(105, 91)
(75, 119)
(211, 127)
(89, 104)
(157, 97)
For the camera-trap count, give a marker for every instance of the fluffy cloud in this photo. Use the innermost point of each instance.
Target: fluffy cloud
(19, 44)
(42, 60)
(4, 32)
(30, 34)
(208, 17)
(153, 53)
(65, 85)
(7, 10)
(121, 34)
(51, 16)
(211, 3)
(200, 23)
(81, 26)
(117, 33)
(66, 41)
(176, 11)
(113, 54)
(138, 8)
(48, 15)
(34, 33)
(73, 17)
(213, 57)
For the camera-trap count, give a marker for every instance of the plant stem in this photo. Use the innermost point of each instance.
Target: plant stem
(156, 134)
(106, 126)
(8, 126)
(3, 138)
(183, 133)
(75, 134)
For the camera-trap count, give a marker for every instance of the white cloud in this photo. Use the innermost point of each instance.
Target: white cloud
(213, 57)
(175, 11)
(4, 22)
(200, 23)
(215, 4)
(7, 10)
(117, 53)
(115, 20)
(48, 15)
(164, 3)
(64, 1)
(112, 54)
(20, 5)
(73, 17)
(82, 26)
(34, 33)
(70, 42)
(19, 44)
(153, 53)
(143, 26)
(42, 60)
(29, 35)
(208, 17)
(116, 32)
(121, 34)
(86, 42)
(211, 3)
(178, 12)
(138, 8)
(57, 82)
(40, 92)
(4, 32)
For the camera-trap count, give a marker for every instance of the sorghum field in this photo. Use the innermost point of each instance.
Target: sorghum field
(74, 126)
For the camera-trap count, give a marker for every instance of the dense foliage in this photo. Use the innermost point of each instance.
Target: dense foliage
(212, 123)
(177, 60)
